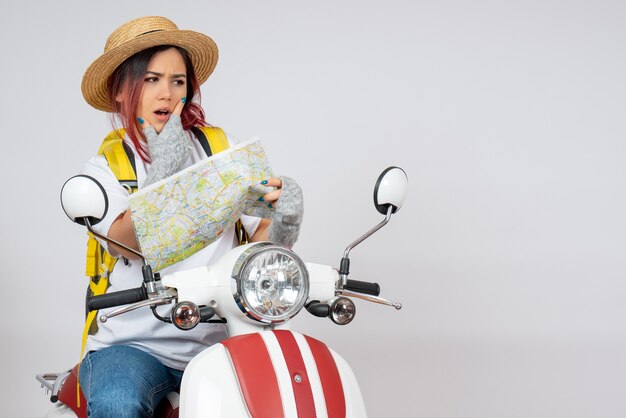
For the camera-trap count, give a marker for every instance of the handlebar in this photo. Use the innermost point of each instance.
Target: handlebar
(363, 287)
(123, 297)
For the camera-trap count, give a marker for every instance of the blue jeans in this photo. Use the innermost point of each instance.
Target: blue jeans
(122, 381)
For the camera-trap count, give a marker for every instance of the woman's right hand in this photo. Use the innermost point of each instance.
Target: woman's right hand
(168, 149)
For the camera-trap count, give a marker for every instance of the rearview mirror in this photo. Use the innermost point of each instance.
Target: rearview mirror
(389, 194)
(390, 190)
(84, 197)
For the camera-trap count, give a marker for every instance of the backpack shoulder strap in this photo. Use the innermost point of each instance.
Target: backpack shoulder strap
(120, 158)
(212, 139)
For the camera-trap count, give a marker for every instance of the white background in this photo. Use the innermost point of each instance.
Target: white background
(508, 117)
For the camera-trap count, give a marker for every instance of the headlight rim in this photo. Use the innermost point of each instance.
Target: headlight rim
(247, 256)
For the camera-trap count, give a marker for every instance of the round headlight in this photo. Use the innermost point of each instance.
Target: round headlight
(272, 283)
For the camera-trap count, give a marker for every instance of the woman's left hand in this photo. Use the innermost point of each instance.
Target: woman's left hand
(286, 217)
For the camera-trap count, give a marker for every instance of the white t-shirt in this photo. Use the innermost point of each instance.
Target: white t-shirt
(140, 329)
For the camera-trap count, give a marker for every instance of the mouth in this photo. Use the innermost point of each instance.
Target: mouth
(162, 114)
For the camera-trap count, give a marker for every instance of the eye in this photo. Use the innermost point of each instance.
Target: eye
(179, 82)
(151, 79)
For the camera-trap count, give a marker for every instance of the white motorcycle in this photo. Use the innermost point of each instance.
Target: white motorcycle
(263, 369)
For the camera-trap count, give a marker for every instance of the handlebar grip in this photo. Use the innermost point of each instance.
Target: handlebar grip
(123, 297)
(363, 287)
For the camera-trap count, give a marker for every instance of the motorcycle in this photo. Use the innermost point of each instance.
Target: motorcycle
(263, 369)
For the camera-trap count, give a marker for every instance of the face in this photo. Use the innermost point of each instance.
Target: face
(164, 86)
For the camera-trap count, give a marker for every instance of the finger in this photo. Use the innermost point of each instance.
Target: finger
(142, 122)
(148, 130)
(273, 182)
(178, 109)
(271, 197)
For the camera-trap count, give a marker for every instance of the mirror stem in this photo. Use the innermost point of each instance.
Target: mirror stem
(344, 268)
(112, 241)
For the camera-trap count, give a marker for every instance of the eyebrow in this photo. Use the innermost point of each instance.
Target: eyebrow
(161, 74)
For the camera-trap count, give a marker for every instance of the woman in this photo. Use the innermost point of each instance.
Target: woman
(149, 77)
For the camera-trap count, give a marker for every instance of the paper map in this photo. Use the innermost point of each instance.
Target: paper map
(178, 216)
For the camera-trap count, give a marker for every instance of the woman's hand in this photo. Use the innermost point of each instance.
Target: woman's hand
(284, 226)
(169, 149)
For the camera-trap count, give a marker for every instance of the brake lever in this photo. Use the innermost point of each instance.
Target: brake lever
(369, 298)
(163, 297)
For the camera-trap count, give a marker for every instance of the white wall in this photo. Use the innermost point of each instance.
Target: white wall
(508, 118)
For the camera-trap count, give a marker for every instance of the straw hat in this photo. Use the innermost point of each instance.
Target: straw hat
(135, 36)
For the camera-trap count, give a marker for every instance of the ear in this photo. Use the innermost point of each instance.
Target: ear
(119, 95)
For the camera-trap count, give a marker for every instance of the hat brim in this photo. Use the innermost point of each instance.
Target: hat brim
(201, 48)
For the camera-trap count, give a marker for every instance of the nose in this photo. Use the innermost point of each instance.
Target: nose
(165, 90)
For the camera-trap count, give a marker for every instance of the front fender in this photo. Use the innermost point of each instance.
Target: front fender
(270, 374)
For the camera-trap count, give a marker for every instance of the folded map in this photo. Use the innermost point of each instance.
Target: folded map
(182, 214)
